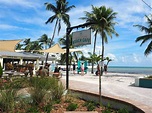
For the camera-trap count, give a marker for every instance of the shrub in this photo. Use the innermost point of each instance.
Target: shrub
(150, 77)
(33, 109)
(18, 83)
(47, 108)
(7, 100)
(90, 105)
(123, 111)
(71, 107)
(45, 90)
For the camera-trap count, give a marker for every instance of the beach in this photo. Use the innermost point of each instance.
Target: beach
(120, 85)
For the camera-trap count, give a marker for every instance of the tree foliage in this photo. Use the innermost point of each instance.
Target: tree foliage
(148, 34)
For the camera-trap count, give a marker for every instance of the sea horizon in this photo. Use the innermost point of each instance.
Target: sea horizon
(127, 69)
(121, 69)
(131, 69)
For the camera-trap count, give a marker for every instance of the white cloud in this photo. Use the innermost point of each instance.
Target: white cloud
(111, 56)
(6, 27)
(136, 58)
(23, 3)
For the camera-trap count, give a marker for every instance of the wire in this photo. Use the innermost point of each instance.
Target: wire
(147, 4)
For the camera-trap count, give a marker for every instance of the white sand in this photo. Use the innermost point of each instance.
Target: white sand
(117, 84)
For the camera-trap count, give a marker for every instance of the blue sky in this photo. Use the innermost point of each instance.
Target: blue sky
(21, 19)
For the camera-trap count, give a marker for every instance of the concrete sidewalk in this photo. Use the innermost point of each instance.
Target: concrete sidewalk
(114, 84)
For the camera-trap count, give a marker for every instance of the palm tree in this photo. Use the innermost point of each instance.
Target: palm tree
(45, 40)
(94, 58)
(148, 35)
(35, 46)
(27, 44)
(31, 46)
(19, 46)
(60, 13)
(108, 60)
(103, 19)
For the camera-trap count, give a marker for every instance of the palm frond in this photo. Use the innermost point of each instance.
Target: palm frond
(148, 49)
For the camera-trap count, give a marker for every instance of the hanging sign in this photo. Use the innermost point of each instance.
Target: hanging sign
(80, 38)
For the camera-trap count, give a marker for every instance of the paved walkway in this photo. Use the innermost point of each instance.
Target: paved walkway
(115, 84)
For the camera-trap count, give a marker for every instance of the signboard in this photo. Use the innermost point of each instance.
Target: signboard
(81, 38)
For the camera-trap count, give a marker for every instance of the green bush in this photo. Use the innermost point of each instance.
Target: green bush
(150, 77)
(90, 105)
(18, 83)
(72, 107)
(45, 90)
(47, 108)
(123, 111)
(33, 109)
(7, 100)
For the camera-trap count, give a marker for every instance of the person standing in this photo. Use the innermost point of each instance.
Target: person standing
(74, 68)
(82, 69)
(98, 70)
(105, 68)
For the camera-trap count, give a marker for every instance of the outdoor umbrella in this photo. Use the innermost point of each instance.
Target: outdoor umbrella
(8, 45)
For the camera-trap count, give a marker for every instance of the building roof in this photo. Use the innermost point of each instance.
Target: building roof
(24, 55)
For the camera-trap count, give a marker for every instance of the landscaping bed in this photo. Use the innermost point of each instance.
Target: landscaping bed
(43, 95)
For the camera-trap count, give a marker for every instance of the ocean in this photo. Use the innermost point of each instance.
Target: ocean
(123, 69)
(130, 70)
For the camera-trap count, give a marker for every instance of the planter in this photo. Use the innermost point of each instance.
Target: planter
(143, 82)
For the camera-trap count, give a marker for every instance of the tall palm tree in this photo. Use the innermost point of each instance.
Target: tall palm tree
(60, 10)
(148, 35)
(103, 19)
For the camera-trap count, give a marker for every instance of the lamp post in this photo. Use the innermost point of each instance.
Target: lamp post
(68, 31)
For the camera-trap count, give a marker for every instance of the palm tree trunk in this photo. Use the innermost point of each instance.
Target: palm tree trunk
(52, 39)
(75, 56)
(54, 31)
(94, 48)
(101, 71)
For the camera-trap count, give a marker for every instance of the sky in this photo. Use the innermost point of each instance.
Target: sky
(22, 19)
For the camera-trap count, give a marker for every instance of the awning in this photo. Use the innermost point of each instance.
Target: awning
(74, 50)
(54, 49)
(8, 45)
